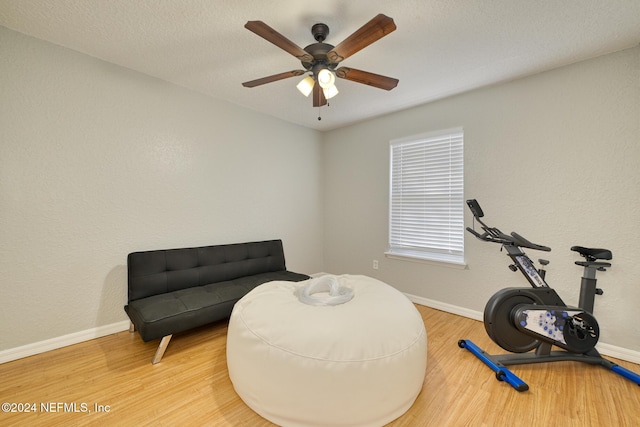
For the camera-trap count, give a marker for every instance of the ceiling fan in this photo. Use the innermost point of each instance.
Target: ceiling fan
(321, 59)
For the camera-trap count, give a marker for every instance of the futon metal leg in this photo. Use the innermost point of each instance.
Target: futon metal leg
(132, 327)
(161, 348)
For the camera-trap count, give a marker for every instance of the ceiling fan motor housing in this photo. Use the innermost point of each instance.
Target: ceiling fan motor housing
(319, 52)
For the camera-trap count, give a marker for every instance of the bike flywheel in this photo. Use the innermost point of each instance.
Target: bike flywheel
(499, 319)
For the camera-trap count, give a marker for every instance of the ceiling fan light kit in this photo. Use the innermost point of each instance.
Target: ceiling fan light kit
(330, 92)
(306, 85)
(326, 78)
(321, 59)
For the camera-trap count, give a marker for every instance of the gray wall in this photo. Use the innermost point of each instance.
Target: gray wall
(97, 161)
(553, 156)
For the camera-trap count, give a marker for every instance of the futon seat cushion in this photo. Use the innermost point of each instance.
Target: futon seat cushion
(181, 310)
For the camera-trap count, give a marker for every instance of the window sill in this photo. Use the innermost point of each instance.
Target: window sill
(442, 261)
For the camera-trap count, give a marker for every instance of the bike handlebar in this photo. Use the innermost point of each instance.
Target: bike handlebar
(527, 244)
(494, 235)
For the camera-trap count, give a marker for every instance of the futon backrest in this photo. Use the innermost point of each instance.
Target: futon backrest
(161, 271)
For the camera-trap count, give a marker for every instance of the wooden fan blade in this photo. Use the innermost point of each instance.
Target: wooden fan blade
(271, 35)
(374, 30)
(367, 78)
(318, 96)
(274, 78)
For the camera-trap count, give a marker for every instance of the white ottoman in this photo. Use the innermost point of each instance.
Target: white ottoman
(360, 363)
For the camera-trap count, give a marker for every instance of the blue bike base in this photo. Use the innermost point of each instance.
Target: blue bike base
(497, 363)
(502, 372)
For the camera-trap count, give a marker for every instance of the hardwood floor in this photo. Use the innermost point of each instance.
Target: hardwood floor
(111, 382)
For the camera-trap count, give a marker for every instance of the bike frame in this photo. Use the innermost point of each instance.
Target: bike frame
(525, 265)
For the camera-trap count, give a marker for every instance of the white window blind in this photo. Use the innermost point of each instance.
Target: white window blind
(427, 197)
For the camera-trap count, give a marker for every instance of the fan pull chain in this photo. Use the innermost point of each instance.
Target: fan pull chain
(320, 118)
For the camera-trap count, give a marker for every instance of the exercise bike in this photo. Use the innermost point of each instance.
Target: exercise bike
(530, 321)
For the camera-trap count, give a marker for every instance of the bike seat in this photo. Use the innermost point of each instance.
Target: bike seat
(592, 254)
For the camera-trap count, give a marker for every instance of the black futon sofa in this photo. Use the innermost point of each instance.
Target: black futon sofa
(174, 290)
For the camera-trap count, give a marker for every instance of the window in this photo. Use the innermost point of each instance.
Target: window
(426, 212)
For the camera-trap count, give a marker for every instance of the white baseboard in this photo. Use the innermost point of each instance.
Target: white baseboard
(604, 348)
(449, 308)
(63, 341)
(619, 352)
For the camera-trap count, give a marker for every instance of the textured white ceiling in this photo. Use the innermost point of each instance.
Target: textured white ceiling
(441, 47)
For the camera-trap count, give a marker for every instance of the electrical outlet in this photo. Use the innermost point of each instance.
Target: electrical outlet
(375, 264)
